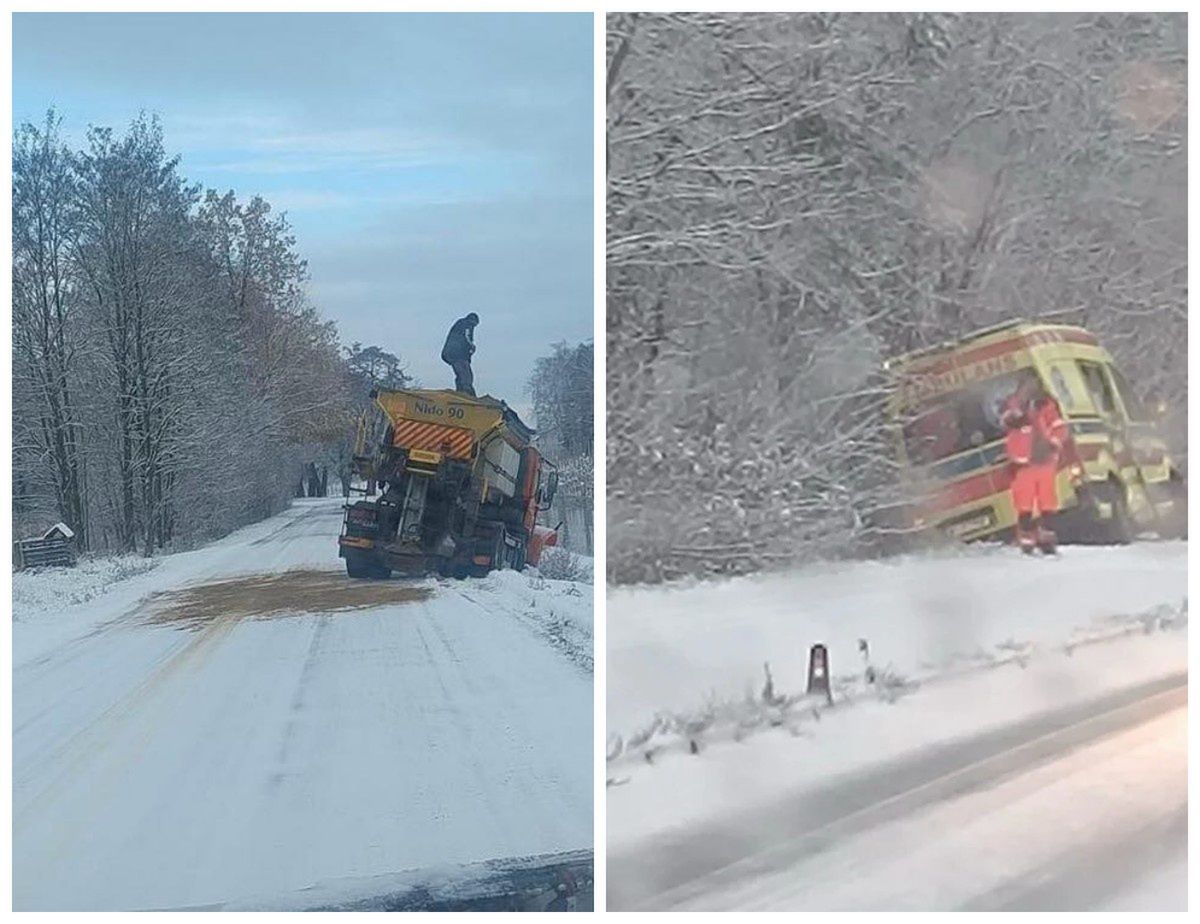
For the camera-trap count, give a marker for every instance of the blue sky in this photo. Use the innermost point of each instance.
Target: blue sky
(430, 164)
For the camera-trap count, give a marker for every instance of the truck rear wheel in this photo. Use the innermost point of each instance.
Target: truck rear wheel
(366, 567)
(491, 546)
(493, 550)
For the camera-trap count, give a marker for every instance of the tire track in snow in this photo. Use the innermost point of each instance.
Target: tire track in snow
(308, 514)
(296, 706)
(458, 724)
(530, 626)
(103, 751)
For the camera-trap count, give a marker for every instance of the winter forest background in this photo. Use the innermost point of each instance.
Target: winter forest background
(562, 390)
(794, 198)
(172, 381)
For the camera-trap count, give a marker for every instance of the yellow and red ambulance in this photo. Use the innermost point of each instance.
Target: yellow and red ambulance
(944, 406)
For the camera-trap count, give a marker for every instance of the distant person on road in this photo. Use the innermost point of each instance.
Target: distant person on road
(1035, 439)
(459, 348)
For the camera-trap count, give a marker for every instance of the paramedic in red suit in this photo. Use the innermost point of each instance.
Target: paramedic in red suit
(1035, 439)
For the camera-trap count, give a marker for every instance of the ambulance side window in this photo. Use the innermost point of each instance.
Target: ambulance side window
(1061, 388)
(1133, 404)
(931, 435)
(1097, 384)
(960, 420)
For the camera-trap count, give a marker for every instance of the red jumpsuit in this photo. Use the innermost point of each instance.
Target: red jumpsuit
(1034, 443)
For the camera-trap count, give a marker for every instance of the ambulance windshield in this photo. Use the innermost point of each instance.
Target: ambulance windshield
(959, 420)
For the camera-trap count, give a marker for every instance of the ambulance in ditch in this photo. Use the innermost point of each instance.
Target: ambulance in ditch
(1116, 481)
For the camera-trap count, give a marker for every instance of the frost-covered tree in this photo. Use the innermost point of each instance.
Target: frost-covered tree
(47, 431)
(375, 367)
(133, 242)
(562, 392)
(794, 197)
(172, 381)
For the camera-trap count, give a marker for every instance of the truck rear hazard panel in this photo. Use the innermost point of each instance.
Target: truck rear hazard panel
(454, 442)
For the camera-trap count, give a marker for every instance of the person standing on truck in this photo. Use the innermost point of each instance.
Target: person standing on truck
(458, 350)
(1036, 436)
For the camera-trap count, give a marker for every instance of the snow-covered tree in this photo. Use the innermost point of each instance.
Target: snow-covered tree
(562, 392)
(792, 198)
(172, 380)
(48, 430)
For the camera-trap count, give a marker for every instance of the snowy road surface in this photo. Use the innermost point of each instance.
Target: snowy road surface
(220, 727)
(988, 745)
(1063, 812)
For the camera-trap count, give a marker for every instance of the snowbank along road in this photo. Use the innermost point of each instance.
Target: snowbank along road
(1005, 734)
(245, 721)
(1067, 811)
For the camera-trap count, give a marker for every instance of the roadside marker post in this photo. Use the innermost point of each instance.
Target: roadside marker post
(818, 673)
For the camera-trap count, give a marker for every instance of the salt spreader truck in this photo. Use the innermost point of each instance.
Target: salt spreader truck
(453, 485)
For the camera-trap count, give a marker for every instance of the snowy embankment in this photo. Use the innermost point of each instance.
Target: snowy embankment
(48, 590)
(706, 757)
(559, 611)
(244, 722)
(677, 650)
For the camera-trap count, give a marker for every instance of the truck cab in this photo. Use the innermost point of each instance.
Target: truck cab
(944, 408)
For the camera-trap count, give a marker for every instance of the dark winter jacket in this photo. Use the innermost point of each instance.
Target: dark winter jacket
(460, 342)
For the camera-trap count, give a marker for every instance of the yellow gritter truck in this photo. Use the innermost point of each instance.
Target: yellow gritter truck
(453, 485)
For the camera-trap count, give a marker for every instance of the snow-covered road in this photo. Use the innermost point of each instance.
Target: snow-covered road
(1065, 811)
(985, 747)
(221, 726)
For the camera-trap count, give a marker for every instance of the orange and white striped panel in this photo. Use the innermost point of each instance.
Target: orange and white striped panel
(454, 442)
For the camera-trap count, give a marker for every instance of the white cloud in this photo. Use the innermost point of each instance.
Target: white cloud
(303, 161)
(285, 200)
(247, 142)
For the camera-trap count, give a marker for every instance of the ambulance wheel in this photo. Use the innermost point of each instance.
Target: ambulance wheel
(1174, 525)
(1119, 528)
